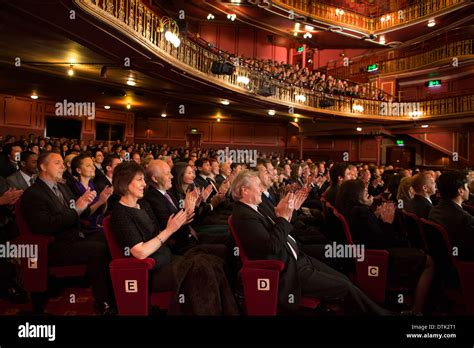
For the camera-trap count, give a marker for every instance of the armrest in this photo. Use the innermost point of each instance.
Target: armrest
(132, 263)
(265, 264)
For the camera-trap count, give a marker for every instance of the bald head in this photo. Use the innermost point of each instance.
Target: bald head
(159, 174)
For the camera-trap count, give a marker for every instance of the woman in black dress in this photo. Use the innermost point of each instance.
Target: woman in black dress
(407, 266)
(137, 232)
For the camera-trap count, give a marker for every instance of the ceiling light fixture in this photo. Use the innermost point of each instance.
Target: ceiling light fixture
(307, 35)
(129, 106)
(131, 82)
(218, 119)
(34, 96)
(231, 16)
(359, 129)
(107, 107)
(163, 114)
(295, 119)
(339, 12)
(243, 79)
(272, 112)
(225, 102)
(70, 71)
(431, 23)
(300, 98)
(309, 27)
(424, 126)
(210, 16)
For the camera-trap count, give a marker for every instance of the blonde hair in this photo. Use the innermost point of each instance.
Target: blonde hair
(405, 190)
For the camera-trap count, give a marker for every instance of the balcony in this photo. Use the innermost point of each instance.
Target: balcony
(142, 24)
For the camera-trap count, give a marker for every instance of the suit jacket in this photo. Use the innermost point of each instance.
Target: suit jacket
(458, 223)
(265, 240)
(16, 180)
(47, 215)
(420, 206)
(219, 180)
(100, 183)
(181, 240)
(7, 168)
(202, 183)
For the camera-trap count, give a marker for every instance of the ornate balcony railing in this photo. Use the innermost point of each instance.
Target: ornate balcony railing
(459, 49)
(389, 20)
(140, 23)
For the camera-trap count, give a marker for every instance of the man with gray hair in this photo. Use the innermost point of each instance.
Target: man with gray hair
(266, 238)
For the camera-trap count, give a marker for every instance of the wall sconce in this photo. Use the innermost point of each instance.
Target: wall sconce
(171, 30)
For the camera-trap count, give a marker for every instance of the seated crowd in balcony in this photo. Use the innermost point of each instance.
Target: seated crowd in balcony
(164, 202)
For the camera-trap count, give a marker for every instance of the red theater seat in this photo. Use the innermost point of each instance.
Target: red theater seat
(260, 280)
(413, 229)
(370, 274)
(130, 280)
(464, 269)
(35, 272)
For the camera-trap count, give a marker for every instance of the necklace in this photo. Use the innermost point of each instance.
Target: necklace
(130, 206)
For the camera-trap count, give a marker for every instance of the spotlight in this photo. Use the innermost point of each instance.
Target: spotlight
(107, 107)
(271, 112)
(70, 71)
(431, 23)
(34, 96)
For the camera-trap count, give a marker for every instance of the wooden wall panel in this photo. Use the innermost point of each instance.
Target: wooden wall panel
(243, 134)
(227, 39)
(367, 149)
(221, 132)
(266, 135)
(18, 112)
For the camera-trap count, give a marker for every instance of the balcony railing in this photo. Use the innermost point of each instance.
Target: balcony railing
(365, 23)
(141, 23)
(459, 49)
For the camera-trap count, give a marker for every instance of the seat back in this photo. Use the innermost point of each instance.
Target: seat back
(338, 230)
(370, 274)
(464, 270)
(114, 248)
(468, 208)
(242, 254)
(413, 229)
(21, 221)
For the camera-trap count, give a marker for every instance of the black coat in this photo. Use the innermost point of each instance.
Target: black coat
(263, 240)
(419, 206)
(181, 240)
(458, 223)
(47, 215)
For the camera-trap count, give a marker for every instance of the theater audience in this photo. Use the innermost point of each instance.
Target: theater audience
(449, 213)
(338, 174)
(405, 189)
(9, 159)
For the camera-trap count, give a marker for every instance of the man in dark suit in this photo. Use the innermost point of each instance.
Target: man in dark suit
(98, 158)
(224, 173)
(424, 186)
(453, 187)
(165, 205)
(25, 177)
(203, 178)
(9, 160)
(338, 174)
(49, 208)
(102, 181)
(264, 238)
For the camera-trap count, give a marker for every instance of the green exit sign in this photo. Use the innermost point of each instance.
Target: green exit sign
(194, 130)
(300, 49)
(400, 142)
(433, 83)
(372, 67)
